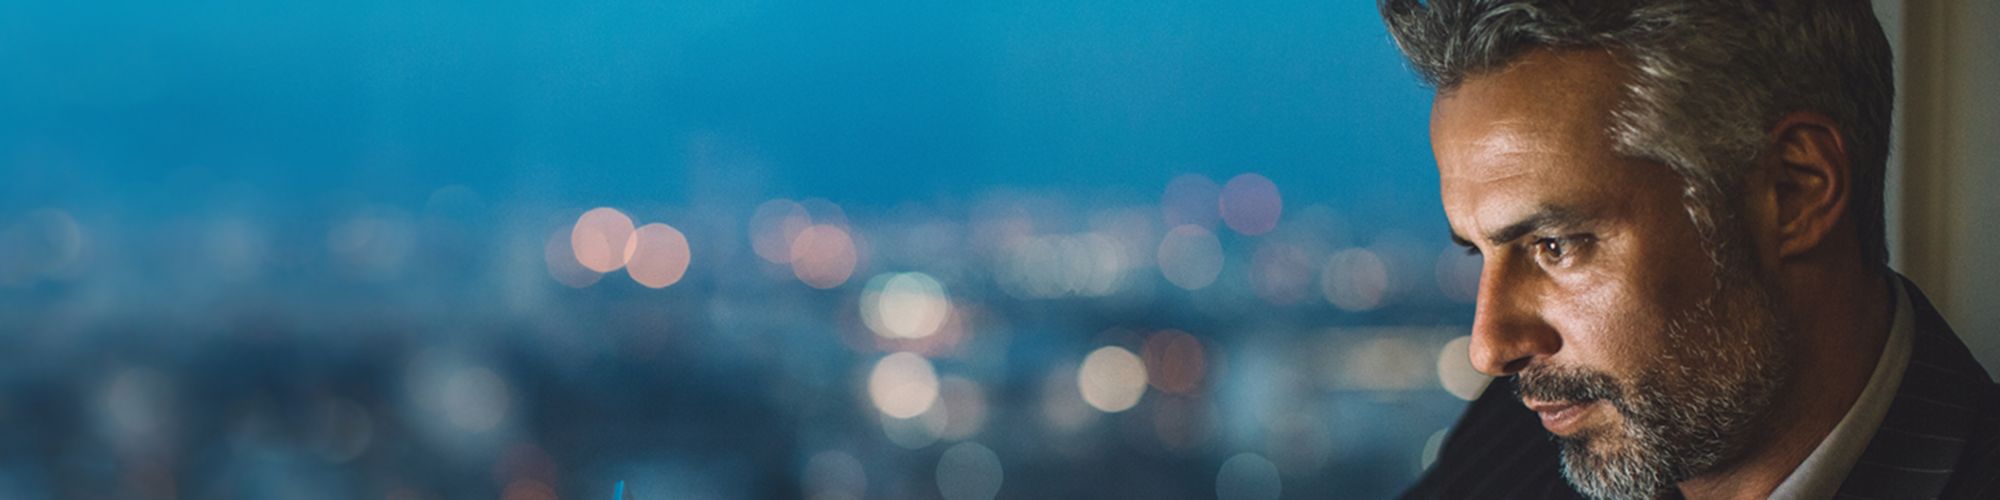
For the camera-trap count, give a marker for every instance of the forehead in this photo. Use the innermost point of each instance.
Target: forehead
(1532, 134)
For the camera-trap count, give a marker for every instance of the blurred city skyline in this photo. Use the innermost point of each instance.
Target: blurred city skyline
(757, 250)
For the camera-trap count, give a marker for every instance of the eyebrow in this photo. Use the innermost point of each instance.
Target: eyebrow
(1543, 218)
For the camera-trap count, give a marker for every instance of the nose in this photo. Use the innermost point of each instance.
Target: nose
(1508, 331)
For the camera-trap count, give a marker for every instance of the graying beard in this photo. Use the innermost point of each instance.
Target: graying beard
(1671, 435)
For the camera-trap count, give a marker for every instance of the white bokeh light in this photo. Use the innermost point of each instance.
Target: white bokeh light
(1431, 447)
(475, 399)
(1455, 371)
(1190, 257)
(904, 305)
(1355, 279)
(903, 385)
(1111, 379)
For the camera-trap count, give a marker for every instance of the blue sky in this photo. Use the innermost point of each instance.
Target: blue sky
(865, 103)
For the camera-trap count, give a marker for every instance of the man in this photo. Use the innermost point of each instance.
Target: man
(1679, 204)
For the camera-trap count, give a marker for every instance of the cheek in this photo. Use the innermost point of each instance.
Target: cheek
(1608, 321)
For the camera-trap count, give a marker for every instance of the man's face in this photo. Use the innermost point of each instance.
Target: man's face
(1648, 359)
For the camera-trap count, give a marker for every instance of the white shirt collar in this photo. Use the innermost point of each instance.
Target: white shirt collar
(1823, 471)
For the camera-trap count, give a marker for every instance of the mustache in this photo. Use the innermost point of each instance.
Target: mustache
(1567, 384)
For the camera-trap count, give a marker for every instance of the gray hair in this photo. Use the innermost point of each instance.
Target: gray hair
(1709, 78)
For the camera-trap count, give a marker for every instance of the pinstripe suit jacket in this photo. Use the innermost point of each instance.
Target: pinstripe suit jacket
(1940, 439)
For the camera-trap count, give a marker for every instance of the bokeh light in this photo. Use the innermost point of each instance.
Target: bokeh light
(830, 301)
(1282, 273)
(563, 264)
(661, 256)
(1381, 360)
(374, 243)
(1455, 371)
(774, 226)
(1431, 447)
(1191, 199)
(1061, 405)
(1248, 476)
(602, 239)
(475, 399)
(459, 401)
(1175, 361)
(969, 471)
(1251, 205)
(48, 243)
(824, 256)
(1183, 423)
(917, 432)
(1458, 274)
(1112, 379)
(137, 406)
(1355, 279)
(964, 405)
(903, 385)
(834, 475)
(1190, 257)
(904, 305)
(1054, 266)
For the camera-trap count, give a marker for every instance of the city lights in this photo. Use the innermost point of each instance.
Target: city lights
(1248, 476)
(1190, 257)
(964, 406)
(1112, 379)
(1282, 273)
(1455, 371)
(1175, 361)
(602, 239)
(475, 399)
(660, 257)
(835, 475)
(903, 385)
(823, 256)
(1355, 279)
(47, 243)
(969, 471)
(1458, 274)
(1250, 204)
(562, 263)
(774, 226)
(904, 305)
(531, 251)
(1191, 199)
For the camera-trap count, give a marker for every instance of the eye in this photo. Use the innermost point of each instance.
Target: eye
(1559, 250)
(1552, 248)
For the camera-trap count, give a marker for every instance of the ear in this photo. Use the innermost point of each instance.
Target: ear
(1811, 179)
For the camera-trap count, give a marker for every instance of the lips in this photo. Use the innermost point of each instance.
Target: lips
(1561, 418)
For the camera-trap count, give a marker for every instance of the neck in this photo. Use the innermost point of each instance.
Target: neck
(1840, 322)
